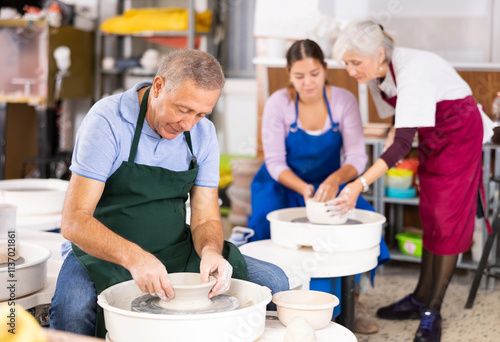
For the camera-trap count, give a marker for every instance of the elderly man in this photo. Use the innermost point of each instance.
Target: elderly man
(137, 157)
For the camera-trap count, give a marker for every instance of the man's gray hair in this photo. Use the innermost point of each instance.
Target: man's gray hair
(181, 65)
(363, 37)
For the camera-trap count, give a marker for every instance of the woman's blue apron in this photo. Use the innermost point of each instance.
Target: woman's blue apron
(312, 158)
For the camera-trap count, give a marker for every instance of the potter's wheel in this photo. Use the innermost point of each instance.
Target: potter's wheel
(152, 304)
(29, 272)
(290, 228)
(246, 323)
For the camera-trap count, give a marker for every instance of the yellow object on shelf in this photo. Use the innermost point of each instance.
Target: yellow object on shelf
(399, 178)
(226, 178)
(18, 325)
(140, 20)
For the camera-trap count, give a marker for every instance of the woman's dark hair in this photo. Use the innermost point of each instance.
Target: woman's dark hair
(300, 50)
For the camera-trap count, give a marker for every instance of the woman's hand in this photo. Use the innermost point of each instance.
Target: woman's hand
(326, 191)
(347, 198)
(308, 192)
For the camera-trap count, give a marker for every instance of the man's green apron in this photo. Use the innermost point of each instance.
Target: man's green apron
(146, 205)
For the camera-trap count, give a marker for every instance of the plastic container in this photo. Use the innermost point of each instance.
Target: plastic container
(399, 178)
(401, 193)
(410, 243)
(495, 109)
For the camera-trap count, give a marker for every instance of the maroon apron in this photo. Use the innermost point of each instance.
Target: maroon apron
(450, 174)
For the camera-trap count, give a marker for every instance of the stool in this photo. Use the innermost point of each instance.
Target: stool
(483, 268)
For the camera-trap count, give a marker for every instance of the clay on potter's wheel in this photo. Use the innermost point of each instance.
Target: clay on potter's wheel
(191, 296)
(154, 305)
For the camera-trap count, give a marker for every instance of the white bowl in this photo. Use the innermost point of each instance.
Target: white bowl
(314, 306)
(34, 196)
(317, 213)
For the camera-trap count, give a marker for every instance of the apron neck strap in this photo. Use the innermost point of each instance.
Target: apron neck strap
(187, 135)
(392, 73)
(297, 99)
(334, 124)
(138, 128)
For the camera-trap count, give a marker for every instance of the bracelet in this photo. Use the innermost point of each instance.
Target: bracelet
(364, 183)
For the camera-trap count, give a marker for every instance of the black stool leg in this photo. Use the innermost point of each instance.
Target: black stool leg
(483, 261)
(346, 317)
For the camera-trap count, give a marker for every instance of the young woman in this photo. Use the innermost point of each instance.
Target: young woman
(313, 144)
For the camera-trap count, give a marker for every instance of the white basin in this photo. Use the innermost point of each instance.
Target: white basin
(289, 228)
(19, 280)
(34, 196)
(246, 323)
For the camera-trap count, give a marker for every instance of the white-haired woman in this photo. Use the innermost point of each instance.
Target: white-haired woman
(425, 94)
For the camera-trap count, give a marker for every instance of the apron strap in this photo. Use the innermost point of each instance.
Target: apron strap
(293, 127)
(392, 73)
(187, 135)
(138, 128)
(335, 125)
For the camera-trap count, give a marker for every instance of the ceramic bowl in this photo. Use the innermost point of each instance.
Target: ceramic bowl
(314, 306)
(190, 293)
(317, 213)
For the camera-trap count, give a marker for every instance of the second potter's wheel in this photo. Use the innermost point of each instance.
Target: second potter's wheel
(290, 228)
(151, 304)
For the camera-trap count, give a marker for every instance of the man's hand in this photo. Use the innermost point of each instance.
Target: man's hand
(151, 276)
(212, 263)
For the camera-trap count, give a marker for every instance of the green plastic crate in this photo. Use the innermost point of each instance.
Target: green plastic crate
(410, 243)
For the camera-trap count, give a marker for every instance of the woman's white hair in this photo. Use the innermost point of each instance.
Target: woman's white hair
(363, 37)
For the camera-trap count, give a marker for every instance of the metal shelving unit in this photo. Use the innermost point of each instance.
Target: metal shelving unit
(108, 80)
(394, 224)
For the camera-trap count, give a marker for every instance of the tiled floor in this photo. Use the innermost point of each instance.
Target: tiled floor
(397, 279)
(479, 324)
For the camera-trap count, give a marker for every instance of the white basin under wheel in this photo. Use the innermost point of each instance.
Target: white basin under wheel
(21, 279)
(290, 228)
(246, 323)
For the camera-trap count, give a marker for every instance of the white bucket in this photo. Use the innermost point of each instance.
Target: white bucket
(9, 242)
